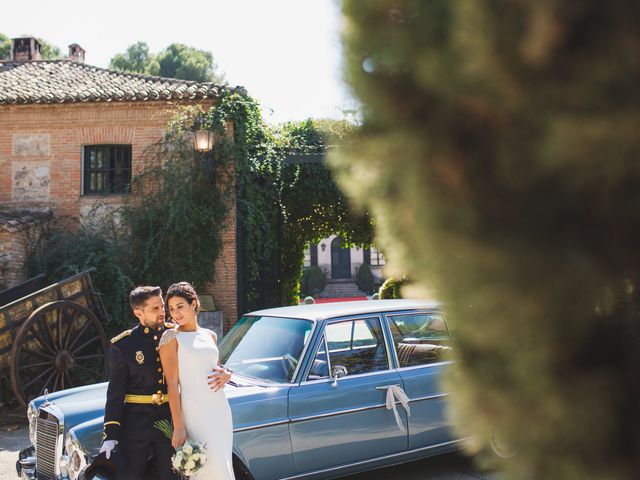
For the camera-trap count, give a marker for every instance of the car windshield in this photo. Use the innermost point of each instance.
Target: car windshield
(268, 348)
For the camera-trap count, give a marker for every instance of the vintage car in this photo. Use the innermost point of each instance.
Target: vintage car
(318, 391)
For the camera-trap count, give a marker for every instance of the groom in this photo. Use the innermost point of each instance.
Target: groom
(137, 392)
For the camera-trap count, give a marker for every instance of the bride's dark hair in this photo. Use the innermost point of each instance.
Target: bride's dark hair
(183, 290)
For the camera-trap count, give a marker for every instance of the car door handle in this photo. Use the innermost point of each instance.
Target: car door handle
(385, 387)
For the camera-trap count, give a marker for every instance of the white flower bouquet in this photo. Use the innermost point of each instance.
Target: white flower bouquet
(189, 458)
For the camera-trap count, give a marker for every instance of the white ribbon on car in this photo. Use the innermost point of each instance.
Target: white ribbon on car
(396, 394)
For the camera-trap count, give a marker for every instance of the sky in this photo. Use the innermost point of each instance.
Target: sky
(286, 53)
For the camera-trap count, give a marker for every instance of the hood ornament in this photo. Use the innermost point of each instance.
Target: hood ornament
(46, 395)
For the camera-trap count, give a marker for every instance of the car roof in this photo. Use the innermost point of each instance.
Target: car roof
(322, 311)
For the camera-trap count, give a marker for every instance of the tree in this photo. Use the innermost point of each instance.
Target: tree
(176, 61)
(499, 155)
(5, 47)
(135, 60)
(49, 51)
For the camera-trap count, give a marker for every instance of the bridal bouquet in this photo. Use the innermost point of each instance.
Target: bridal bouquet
(189, 458)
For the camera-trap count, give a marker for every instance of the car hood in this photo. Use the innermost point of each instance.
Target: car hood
(83, 404)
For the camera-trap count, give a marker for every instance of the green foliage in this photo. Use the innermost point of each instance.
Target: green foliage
(169, 228)
(49, 51)
(175, 229)
(391, 288)
(283, 206)
(364, 279)
(5, 47)
(313, 281)
(60, 252)
(135, 60)
(499, 155)
(176, 61)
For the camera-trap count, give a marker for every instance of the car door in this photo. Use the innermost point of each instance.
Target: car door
(339, 421)
(421, 345)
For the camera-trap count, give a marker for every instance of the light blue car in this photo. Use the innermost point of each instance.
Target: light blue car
(318, 391)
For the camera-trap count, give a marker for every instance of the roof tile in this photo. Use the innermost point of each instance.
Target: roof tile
(64, 81)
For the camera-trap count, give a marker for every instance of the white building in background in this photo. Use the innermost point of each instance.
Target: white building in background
(341, 264)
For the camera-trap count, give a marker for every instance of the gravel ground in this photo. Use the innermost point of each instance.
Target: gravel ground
(14, 436)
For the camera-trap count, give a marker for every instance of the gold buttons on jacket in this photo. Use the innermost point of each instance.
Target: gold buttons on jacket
(155, 337)
(146, 329)
(160, 381)
(159, 370)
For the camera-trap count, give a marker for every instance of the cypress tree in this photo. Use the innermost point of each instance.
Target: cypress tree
(500, 156)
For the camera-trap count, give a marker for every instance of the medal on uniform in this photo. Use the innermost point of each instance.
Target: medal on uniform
(139, 357)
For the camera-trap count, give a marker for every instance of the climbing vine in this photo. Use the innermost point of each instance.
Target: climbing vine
(170, 226)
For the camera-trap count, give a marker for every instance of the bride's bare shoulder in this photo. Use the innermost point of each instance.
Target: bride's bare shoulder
(168, 336)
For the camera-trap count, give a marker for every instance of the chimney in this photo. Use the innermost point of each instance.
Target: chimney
(76, 53)
(25, 49)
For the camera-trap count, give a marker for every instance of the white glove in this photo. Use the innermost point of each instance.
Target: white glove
(107, 446)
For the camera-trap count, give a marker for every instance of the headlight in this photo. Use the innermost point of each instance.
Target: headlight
(32, 415)
(75, 458)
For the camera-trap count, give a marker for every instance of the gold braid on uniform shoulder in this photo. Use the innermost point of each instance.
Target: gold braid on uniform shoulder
(120, 336)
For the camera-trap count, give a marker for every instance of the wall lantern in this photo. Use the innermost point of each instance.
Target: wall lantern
(202, 136)
(203, 140)
(323, 246)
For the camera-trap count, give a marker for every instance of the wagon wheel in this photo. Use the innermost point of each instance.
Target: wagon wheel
(61, 345)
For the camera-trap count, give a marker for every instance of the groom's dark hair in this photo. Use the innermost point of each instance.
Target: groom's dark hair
(141, 294)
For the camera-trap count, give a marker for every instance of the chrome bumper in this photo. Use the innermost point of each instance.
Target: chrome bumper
(26, 464)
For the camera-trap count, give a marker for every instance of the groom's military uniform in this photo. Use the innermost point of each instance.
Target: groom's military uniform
(136, 399)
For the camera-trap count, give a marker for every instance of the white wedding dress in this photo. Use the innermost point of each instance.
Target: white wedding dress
(206, 413)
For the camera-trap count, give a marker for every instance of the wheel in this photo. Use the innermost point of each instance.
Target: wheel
(60, 345)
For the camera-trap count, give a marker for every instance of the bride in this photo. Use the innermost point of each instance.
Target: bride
(199, 409)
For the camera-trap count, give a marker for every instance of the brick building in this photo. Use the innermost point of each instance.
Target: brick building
(72, 136)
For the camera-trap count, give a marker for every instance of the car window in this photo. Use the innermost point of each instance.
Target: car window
(420, 338)
(356, 345)
(268, 348)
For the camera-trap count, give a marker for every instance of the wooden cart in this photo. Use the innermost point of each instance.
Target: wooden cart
(52, 338)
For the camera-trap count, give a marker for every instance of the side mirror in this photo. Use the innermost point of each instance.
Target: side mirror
(337, 371)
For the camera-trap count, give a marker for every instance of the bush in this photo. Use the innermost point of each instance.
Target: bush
(313, 281)
(60, 252)
(391, 288)
(364, 279)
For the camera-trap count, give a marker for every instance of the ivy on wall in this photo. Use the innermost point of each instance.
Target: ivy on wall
(281, 205)
(170, 226)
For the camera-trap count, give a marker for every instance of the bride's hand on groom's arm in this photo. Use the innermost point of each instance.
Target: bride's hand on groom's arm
(218, 377)
(179, 437)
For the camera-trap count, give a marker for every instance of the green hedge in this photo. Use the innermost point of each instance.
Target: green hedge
(313, 281)
(364, 279)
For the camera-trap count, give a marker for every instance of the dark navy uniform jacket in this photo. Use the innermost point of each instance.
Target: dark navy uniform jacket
(135, 369)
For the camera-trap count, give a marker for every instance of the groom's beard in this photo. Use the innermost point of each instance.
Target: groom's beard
(153, 322)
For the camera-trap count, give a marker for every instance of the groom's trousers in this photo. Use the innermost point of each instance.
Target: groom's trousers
(135, 454)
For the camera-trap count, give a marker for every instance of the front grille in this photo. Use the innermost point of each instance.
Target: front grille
(47, 446)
